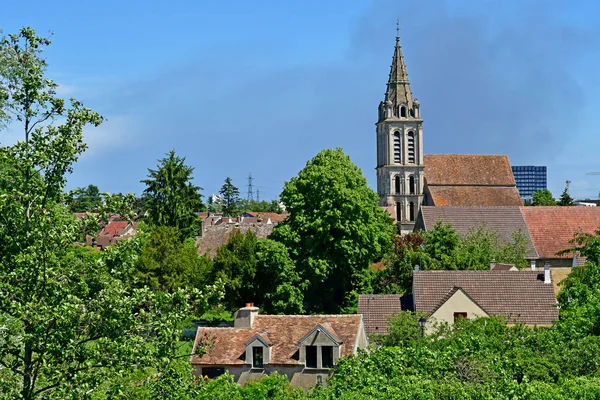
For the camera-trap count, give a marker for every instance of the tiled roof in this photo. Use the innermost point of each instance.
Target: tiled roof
(377, 308)
(468, 169)
(461, 195)
(216, 236)
(227, 345)
(504, 220)
(551, 228)
(503, 267)
(114, 228)
(275, 218)
(519, 296)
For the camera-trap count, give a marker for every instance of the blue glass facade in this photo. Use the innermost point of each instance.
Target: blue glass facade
(530, 178)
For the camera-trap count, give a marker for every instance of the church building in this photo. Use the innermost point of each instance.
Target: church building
(406, 179)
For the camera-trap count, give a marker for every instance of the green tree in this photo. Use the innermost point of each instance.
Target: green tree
(403, 330)
(230, 198)
(565, 197)
(170, 197)
(69, 318)
(259, 271)
(86, 199)
(335, 230)
(167, 262)
(543, 197)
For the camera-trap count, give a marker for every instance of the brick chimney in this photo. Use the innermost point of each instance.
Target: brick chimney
(244, 317)
(547, 278)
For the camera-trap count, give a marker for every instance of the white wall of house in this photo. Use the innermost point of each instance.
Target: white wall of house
(459, 302)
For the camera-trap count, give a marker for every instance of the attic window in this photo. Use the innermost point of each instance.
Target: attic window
(311, 356)
(257, 357)
(459, 315)
(327, 356)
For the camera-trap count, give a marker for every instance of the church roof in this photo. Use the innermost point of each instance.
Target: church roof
(468, 169)
(465, 196)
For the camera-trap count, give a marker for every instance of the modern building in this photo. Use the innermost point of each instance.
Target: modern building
(530, 178)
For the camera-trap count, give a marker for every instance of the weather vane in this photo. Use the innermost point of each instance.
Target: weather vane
(397, 28)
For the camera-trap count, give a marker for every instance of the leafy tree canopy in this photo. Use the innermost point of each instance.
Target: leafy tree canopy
(86, 199)
(565, 197)
(170, 197)
(543, 197)
(335, 230)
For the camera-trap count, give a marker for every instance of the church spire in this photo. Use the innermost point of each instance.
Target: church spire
(398, 96)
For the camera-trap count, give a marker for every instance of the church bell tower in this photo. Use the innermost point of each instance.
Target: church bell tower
(400, 148)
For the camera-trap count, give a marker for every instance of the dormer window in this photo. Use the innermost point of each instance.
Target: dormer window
(320, 348)
(257, 356)
(327, 356)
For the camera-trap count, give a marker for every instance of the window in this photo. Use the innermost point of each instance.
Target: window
(257, 356)
(397, 184)
(412, 211)
(327, 356)
(213, 372)
(398, 212)
(403, 112)
(411, 184)
(397, 147)
(411, 147)
(459, 315)
(311, 356)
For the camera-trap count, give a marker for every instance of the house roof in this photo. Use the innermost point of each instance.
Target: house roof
(275, 217)
(114, 228)
(377, 308)
(462, 195)
(518, 296)
(468, 169)
(227, 346)
(552, 227)
(504, 267)
(216, 236)
(504, 220)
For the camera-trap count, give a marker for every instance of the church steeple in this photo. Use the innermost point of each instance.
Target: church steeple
(400, 169)
(398, 102)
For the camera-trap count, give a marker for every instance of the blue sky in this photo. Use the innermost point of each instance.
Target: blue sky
(260, 87)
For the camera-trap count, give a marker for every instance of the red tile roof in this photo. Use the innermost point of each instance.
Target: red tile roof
(114, 227)
(468, 169)
(474, 196)
(377, 308)
(551, 228)
(518, 296)
(227, 345)
(216, 236)
(504, 220)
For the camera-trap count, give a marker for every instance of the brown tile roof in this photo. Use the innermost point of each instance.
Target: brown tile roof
(114, 228)
(468, 169)
(504, 220)
(551, 228)
(216, 236)
(474, 196)
(227, 345)
(519, 296)
(377, 308)
(503, 267)
(275, 218)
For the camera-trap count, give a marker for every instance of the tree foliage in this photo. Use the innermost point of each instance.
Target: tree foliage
(69, 318)
(543, 197)
(335, 230)
(230, 198)
(86, 199)
(565, 197)
(259, 271)
(168, 263)
(170, 197)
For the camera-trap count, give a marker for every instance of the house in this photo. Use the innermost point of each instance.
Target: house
(215, 236)
(112, 232)
(523, 296)
(552, 228)
(302, 347)
(376, 310)
(507, 221)
(469, 180)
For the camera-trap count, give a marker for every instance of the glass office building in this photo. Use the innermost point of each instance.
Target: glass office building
(529, 178)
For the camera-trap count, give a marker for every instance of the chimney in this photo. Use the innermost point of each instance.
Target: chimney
(532, 264)
(547, 278)
(244, 317)
(492, 264)
(417, 268)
